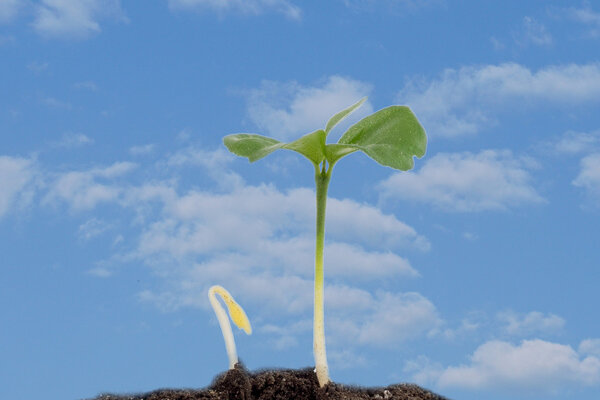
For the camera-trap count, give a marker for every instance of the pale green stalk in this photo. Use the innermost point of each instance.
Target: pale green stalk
(322, 178)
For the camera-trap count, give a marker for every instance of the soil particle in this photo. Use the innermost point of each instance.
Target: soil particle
(239, 384)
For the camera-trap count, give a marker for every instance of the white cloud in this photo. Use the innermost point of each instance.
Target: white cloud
(213, 162)
(142, 149)
(100, 272)
(466, 182)
(533, 32)
(571, 143)
(531, 323)
(9, 10)
(390, 5)
(345, 359)
(354, 222)
(92, 227)
(248, 7)
(73, 18)
(84, 190)
(585, 16)
(467, 326)
(396, 317)
(349, 260)
(589, 174)
(532, 365)
(590, 346)
(17, 175)
(37, 67)
(466, 100)
(55, 103)
(287, 110)
(72, 140)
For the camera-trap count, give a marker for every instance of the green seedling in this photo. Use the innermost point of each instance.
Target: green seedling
(391, 136)
(237, 314)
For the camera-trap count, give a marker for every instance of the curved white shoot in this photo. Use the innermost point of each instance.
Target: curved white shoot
(237, 314)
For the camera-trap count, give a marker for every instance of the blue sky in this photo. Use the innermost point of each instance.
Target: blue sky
(475, 274)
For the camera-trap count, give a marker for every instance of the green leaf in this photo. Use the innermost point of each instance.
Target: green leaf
(391, 137)
(311, 146)
(252, 146)
(333, 152)
(333, 121)
(255, 147)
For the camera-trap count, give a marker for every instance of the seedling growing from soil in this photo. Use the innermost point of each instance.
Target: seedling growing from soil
(391, 136)
(237, 314)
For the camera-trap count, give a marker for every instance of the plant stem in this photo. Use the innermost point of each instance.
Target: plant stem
(322, 182)
(223, 323)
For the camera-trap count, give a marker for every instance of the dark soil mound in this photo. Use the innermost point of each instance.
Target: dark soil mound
(239, 384)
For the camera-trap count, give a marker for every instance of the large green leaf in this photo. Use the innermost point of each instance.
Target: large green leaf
(255, 147)
(333, 121)
(391, 137)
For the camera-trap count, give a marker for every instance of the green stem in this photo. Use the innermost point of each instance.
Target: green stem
(322, 182)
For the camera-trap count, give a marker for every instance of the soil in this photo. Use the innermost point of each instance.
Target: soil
(239, 384)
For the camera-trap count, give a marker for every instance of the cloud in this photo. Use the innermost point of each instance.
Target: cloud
(214, 163)
(396, 317)
(535, 365)
(99, 272)
(585, 16)
(247, 216)
(572, 143)
(390, 5)
(466, 182)
(466, 101)
(287, 110)
(9, 10)
(73, 140)
(17, 176)
(74, 19)
(533, 32)
(37, 67)
(589, 175)
(92, 227)
(55, 103)
(83, 190)
(590, 346)
(248, 7)
(531, 323)
(142, 149)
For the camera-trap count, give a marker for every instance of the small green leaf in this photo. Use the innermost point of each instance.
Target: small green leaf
(333, 152)
(311, 146)
(252, 146)
(255, 147)
(391, 137)
(333, 121)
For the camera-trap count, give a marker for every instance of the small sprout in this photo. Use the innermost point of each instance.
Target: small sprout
(391, 136)
(237, 314)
